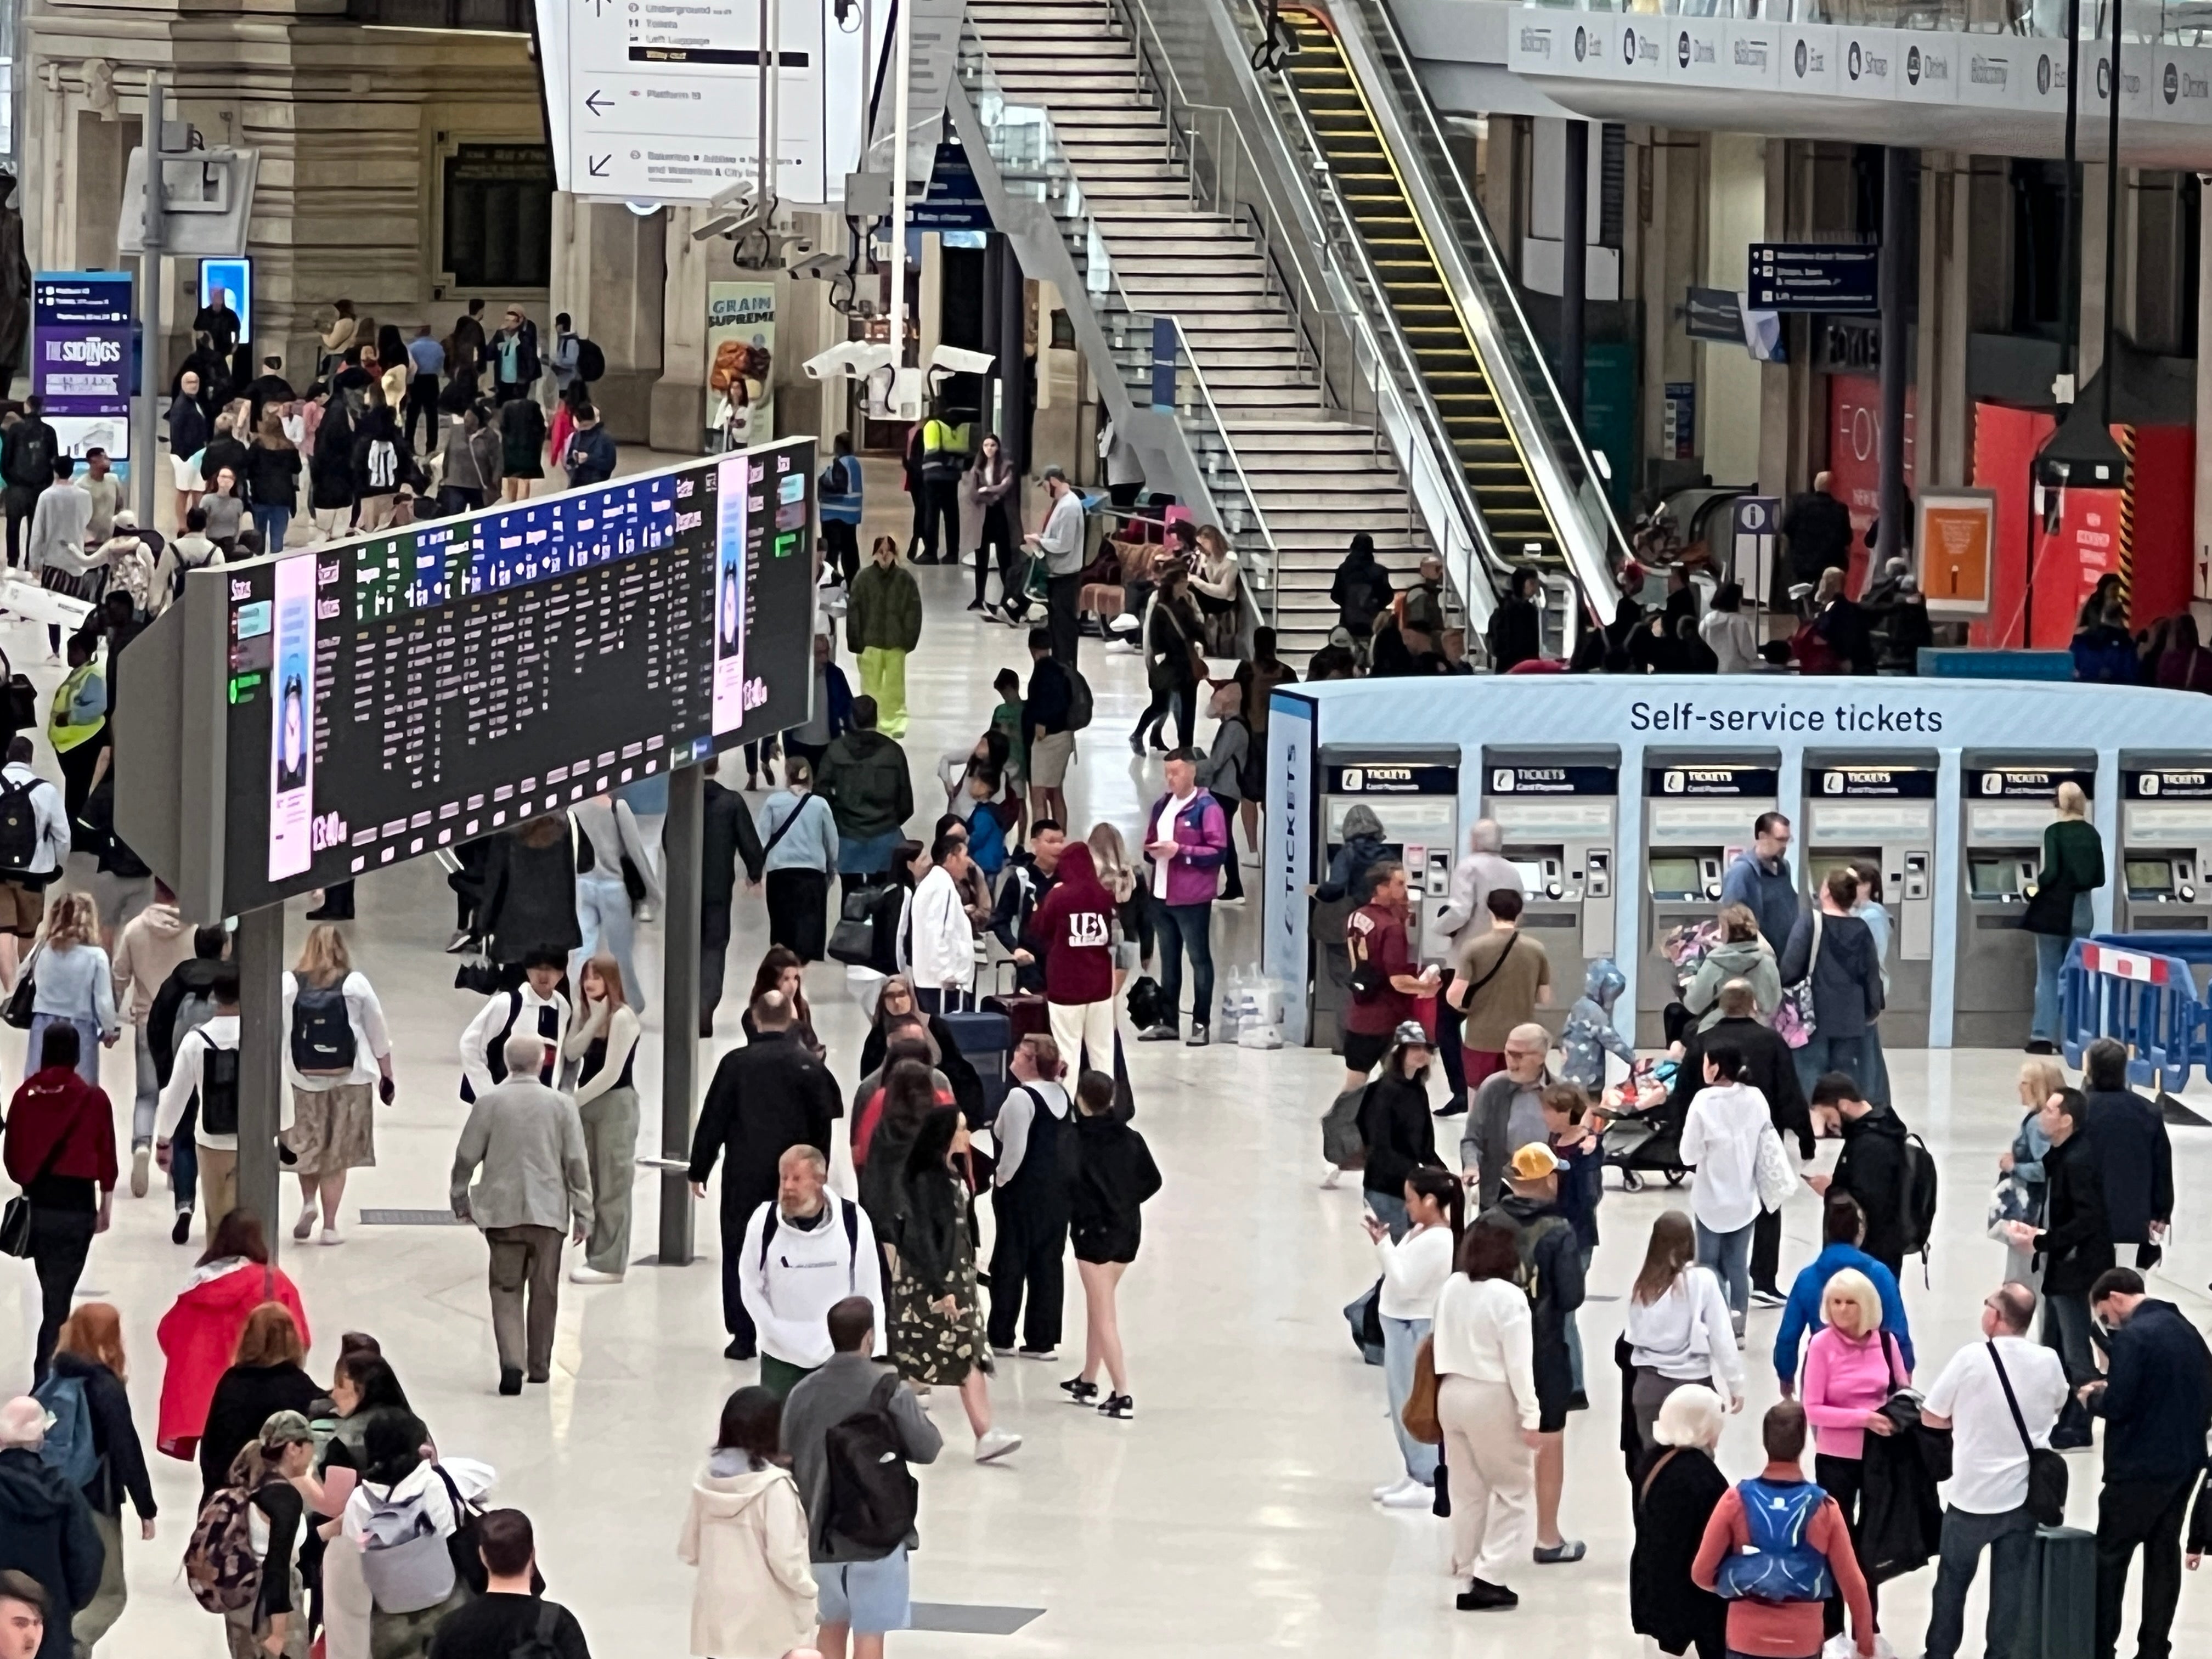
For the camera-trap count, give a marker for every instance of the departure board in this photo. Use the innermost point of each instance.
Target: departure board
(399, 693)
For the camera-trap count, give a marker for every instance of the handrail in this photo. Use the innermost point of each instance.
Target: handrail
(1595, 543)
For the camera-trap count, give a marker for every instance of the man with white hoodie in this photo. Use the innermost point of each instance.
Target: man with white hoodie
(1720, 1140)
(157, 941)
(944, 948)
(805, 1251)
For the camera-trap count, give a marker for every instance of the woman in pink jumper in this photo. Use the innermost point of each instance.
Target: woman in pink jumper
(1851, 1367)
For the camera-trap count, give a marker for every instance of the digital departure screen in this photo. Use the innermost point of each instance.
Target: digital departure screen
(399, 693)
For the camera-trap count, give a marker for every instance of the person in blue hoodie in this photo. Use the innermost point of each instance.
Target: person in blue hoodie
(1589, 1034)
(1845, 1223)
(1362, 849)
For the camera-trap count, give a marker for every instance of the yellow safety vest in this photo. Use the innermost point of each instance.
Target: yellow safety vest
(64, 735)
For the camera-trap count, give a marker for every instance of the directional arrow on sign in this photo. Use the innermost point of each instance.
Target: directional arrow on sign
(595, 104)
(597, 166)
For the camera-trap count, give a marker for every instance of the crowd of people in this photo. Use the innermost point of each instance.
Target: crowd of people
(1477, 1311)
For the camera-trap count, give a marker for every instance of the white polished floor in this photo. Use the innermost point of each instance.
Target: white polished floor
(1230, 1517)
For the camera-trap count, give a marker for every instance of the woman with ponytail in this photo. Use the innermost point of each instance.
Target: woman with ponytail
(1414, 1268)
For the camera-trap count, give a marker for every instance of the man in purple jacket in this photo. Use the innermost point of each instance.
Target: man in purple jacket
(1186, 837)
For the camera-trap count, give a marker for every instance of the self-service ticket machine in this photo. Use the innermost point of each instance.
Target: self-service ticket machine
(2166, 842)
(1413, 789)
(1699, 810)
(2007, 798)
(1881, 810)
(1558, 810)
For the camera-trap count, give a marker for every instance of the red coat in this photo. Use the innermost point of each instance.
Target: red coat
(55, 1105)
(198, 1337)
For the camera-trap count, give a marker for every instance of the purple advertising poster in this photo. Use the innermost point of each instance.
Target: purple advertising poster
(292, 715)
(80, 356)
(733, 494)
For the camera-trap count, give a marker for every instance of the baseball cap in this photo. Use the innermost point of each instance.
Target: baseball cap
(1055, 470)
(286, 1428)
(1533, 1161)
(1409, 1032)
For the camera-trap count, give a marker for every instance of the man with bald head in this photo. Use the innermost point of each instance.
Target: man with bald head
(1508, 1113)
(1986, 1502)
(1465, 918)
(1818, 530)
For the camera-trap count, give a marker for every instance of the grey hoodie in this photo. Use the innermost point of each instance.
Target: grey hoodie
(1749, 960)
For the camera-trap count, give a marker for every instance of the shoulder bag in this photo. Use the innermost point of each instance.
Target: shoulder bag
(1794, 1020)
(2046, 1469)
(1419, 1414)
(15, 1219)
(19, 1010)
(1771, 1171)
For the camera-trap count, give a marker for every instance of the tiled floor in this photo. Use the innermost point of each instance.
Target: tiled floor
(1231, 1517)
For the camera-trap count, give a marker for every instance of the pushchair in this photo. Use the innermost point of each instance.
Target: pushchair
(1644, 1139)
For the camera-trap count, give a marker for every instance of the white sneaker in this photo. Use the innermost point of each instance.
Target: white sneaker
(1327, 1181)
(305, 1225)
(1120, 649)
(332, 1235)
(1411, 1496)
(582, 1275)
(139, 1158)
(1388, 1487)
(996, 1444)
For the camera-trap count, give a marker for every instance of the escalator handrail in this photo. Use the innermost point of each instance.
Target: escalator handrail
(1603, 546)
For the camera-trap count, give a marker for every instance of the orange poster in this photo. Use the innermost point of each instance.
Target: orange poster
(1953, 539)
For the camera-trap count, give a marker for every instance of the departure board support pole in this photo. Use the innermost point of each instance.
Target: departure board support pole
(679, 979)
(146, 413)
(260, 952)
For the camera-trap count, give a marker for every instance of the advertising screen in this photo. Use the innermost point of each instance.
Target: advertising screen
(81, 357)
(398, 693)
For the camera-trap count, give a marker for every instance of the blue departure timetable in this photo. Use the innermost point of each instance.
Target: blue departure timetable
(453, 678)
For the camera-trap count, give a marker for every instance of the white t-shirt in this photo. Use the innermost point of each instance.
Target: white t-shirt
(1163, 830)
(1988, 1466)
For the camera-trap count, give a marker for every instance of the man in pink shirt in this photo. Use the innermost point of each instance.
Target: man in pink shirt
(1783, 1629)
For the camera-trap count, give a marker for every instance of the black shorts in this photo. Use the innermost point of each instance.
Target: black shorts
(1104, 1244)
(1364, 1052)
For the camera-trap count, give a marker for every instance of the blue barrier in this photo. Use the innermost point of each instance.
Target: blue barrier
(2138, 989)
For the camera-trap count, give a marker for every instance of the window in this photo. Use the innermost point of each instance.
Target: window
(499, 216)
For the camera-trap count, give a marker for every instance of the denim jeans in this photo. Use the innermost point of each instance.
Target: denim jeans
(1850, 1056)
(1728, 1254)
(272, 522)
(1186, 927)
(2050, 958)
(87, 1045)
(602, 912)
(1401, 1338)
(184, 1159)
(2011, 1540)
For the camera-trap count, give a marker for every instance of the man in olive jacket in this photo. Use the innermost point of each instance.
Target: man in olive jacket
(864, 777)
(882, 623)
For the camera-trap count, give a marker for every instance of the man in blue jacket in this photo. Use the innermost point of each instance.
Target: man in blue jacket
(1844, 1223)
(2156, 1402)
(1760, 879)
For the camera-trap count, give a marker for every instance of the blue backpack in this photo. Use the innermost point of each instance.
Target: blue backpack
(68, 1447)
(1779, 1563)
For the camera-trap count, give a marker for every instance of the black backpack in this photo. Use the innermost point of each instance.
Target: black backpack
(18, 825)
(540, 1643)
(591, 361)
(34, 456)
(873, 1495)
(1079, 700)
(322, 1031)
(218, 1089)
(1917, 1209)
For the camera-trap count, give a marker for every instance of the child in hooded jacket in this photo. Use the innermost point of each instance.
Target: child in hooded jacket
(1589, 1035)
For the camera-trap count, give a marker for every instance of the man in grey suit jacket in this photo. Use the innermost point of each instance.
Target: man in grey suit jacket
(528, 1143)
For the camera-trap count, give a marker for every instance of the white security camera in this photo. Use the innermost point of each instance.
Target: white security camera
(955, 361)
(853, 359)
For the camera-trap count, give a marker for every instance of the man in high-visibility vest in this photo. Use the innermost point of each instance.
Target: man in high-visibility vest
(76, 723)
(944, 459)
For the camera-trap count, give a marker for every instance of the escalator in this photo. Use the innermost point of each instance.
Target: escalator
(1400, 191)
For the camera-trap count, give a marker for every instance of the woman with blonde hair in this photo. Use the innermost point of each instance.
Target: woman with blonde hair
(602, 1045)
(2022, 1165)
(74, 984)
(89, 1353)
(337, 1050)
(2059, 910)
(1110, 858)
(1851, 1369)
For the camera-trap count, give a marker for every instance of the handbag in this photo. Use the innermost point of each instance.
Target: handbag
(1419, 1414)
(1037, 579)
(22, 696)
(1771, 1171)
(1794, 1020)
(15, 1219)
(18, 1011)
(2046, 1469)
(852, 940)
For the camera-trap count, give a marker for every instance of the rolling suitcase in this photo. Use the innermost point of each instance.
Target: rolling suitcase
(1027, 1014)
(2058, 1613)
(985, 1039)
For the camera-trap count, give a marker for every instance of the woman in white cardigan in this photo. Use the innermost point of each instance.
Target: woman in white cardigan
(1679, 1329)
(1414, 1269)
(746, 1533)
(1485, 1351)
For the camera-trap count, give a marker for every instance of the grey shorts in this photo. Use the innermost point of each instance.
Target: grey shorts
(1048, 758)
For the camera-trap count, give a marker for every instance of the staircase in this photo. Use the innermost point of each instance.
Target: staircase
(1316, 477)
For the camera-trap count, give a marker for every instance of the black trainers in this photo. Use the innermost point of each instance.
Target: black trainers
(1078, 1392)
(740, 1349)
(181, 1228)
(510, 1379)
(1117, 1405)
(1482, 1596)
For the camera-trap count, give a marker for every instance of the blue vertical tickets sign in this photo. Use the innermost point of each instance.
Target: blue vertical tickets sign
(81, 354)
(1289, 856)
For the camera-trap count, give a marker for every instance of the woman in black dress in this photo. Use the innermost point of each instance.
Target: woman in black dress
(1676, 1489)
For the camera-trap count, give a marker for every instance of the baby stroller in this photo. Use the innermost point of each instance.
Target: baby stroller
(1643, 1133)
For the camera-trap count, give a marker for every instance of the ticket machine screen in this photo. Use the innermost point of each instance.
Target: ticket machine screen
(1539, 879)
(1994, 876)
(2150, 878)
(1673, 877)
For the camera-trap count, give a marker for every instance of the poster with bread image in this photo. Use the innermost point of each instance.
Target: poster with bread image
(740, 359)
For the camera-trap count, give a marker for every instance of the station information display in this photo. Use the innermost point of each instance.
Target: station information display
(396, 694)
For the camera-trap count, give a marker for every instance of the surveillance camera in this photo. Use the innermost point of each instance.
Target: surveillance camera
(954, 360)
(855, 358)
(819, 267)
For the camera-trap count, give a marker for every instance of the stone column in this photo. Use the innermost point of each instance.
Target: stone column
(678, 411)
(609, 272)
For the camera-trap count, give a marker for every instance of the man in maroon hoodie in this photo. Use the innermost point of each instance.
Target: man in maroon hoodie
(1075, 925)
(61, 1146)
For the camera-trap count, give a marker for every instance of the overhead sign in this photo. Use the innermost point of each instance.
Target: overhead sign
(1753, 522)
(1876, 782)
(2024, 782)
(1391, 780)
(80, 352)
(1955, 540)
(1554, 781)
(954, 200)
(651, 100)
(1730, 781)
(1814, 277)
(2168, 786)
